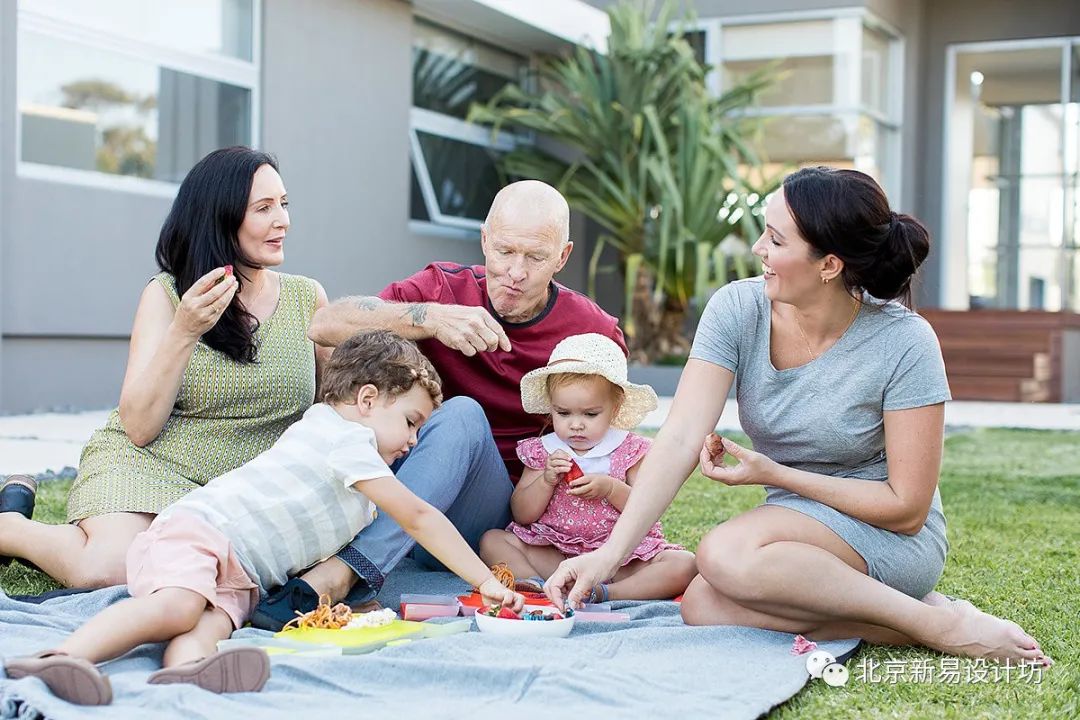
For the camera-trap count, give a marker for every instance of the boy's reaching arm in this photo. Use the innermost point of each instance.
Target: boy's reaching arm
(437, 535)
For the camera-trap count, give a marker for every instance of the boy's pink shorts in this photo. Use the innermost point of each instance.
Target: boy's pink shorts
(184, 551)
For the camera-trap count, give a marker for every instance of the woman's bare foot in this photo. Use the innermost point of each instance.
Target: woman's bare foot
(974, 633)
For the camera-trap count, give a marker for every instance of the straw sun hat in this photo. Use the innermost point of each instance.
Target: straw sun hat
(589, 354)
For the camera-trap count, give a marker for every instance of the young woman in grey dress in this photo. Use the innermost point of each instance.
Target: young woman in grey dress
(842, 391)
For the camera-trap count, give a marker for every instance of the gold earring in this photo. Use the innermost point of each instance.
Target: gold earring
(825, 280)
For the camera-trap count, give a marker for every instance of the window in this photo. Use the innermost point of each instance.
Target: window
(137, 88)
(1012, 163)
(836, 99)
(454, 172)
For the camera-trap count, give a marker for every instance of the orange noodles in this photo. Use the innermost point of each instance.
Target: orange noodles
(504, 575)
(324, 617)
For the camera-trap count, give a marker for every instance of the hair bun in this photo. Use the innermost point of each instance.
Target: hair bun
(904, 245)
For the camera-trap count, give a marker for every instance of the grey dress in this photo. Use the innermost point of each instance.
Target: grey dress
(827, 416)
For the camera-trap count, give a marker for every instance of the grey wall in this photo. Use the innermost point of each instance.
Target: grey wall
(73, 261)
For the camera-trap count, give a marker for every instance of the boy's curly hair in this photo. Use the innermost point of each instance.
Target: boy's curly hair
(380, 358)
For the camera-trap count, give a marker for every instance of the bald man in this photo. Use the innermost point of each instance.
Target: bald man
(483, 327)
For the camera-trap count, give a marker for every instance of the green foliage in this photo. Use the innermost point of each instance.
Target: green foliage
(642, 148)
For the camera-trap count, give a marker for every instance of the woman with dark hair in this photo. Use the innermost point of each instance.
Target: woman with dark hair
(841, 389)
(219, 366)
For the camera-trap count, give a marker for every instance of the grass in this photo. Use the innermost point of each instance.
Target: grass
(1012, 499)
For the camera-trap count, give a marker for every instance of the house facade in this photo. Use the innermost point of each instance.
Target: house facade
(968, 114)
(104, 107)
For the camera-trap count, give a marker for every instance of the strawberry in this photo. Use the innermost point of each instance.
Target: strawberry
(508, 614)
(228, 270)
(574, 473)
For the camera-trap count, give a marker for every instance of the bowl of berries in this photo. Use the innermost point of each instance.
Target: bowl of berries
(533, 621)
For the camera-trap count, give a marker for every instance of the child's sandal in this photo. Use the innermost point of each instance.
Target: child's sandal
(241, 669)
(69, 678)
(534, 584)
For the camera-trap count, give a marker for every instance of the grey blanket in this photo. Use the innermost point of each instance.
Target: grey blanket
(651, 665)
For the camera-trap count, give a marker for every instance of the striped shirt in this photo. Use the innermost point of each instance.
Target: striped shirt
(294, 504)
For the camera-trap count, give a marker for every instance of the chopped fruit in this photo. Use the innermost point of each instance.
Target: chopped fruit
(574, 473)
(508, 614)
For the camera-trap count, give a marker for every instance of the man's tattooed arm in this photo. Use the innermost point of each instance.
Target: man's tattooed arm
(367, 303)
(332, 325)
(416, 313)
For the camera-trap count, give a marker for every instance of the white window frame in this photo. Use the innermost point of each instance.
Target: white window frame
(851, 106)
(233, 71)
(452, 128)
(953, 292)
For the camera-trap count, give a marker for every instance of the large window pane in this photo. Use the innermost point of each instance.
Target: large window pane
(450, 71)
(463, 176)
(850, 141)
(799, 81)
(698, 40)
(803, 54)
(875, 70)
(221, 27)
(92, 109)
(1006, 131)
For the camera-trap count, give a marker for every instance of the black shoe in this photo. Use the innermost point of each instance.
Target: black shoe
(17, 494)
(284, 604)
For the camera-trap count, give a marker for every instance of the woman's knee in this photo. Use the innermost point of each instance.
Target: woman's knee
(698, 604)
(103, 559)
(97, 569)
(727, 564)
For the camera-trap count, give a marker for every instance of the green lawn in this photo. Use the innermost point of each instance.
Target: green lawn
(1012, 499)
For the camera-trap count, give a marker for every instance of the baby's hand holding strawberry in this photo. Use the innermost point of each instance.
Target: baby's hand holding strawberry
(593, 486)
(558, 464)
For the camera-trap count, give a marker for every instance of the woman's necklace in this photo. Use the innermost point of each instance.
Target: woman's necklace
(813, 355)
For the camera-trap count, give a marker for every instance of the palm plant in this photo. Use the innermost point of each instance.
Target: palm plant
(643, 149)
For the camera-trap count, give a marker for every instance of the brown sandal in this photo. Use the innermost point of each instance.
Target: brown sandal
(242, 669)
(70, 678)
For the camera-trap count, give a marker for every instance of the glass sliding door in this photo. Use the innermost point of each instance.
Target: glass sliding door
(1011, 178)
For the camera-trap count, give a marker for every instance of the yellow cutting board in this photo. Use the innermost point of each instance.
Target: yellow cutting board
(355, 638)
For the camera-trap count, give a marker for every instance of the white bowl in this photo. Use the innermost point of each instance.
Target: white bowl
(523, 628)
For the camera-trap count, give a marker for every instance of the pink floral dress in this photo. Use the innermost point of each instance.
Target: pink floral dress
(574, 525)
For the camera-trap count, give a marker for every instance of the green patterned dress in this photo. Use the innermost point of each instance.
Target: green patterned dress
(225, 414)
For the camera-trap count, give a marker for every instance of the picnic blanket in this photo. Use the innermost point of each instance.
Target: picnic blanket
(653, 664)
